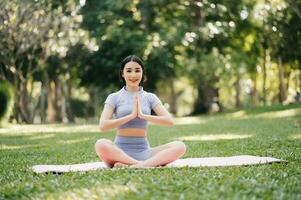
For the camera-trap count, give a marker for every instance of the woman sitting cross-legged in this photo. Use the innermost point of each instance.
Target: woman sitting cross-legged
(132, 106)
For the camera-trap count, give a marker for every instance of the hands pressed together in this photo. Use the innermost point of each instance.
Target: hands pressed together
(162, 116)
(137, 112)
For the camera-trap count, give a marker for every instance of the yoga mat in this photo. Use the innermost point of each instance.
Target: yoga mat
(241, 160)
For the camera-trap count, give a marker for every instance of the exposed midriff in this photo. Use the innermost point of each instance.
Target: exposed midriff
(132, 132)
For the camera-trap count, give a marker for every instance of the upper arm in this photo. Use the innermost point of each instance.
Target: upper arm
(160, 110)
(157, 106)
(109, 107)
(107, 112)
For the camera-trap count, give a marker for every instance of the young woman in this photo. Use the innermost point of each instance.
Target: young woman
(132, 107)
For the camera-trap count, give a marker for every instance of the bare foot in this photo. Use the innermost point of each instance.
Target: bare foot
(139, 165)
(120, 165)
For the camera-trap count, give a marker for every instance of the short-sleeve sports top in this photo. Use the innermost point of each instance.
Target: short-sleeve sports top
(122, 103)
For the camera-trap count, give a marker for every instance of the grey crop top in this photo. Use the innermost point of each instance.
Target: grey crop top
(122, 103)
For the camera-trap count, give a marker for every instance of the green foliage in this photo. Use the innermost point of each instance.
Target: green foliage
(81, 108)
(269, 135)
(6, 99)
(83, 45)
(120, 30)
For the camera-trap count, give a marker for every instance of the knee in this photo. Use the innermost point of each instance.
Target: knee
(180, 147)
(102, 145)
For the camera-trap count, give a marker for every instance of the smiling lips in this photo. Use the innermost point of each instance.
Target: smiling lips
(133, 80)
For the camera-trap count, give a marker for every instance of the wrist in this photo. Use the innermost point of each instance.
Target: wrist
(142, 116)
(132, 116)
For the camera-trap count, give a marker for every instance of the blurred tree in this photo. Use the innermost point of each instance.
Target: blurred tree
(289, 27)
(111, 24)
(23, 28)
(243, 49)
(67, 44)
(35, 36)
(76, 60)
(210, 24)
(60, 46)
(122, 28)
(284, 29)
(6, 100)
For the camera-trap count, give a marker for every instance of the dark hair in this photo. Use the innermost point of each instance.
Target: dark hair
(132, 58)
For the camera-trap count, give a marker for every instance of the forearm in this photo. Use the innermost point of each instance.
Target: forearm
(105, 125)
(161, 120)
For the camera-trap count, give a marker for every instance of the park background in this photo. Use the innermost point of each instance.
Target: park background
(62, 58)
(229, 71)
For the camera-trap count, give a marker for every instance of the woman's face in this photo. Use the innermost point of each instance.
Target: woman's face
(132, 74)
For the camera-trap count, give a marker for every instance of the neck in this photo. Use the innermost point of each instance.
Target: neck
(132, 89)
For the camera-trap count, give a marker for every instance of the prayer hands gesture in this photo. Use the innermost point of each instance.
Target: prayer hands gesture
(137, 112)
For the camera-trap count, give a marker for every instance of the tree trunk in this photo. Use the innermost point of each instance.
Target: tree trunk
(53, 110)
(287, 75)
(95, 96)
(173, 97)
(264, 78)
(23, 103)
(254, 91)
(237, 92)
(43, 104)
(16, 101)
(70, 115)
(199, 16)
(96, 103)
(206, 97)
(63, 108)
(281, 95)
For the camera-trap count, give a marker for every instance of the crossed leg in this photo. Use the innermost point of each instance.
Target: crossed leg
(111, 154)
(163, 155)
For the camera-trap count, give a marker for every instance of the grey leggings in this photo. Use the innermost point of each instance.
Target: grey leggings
(135, 147)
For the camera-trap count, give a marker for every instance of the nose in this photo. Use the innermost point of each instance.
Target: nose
(132, 74)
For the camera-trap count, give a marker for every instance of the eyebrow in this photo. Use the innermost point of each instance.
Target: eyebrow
(131, 68)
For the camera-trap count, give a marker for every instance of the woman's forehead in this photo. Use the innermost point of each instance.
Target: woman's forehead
(132, 65)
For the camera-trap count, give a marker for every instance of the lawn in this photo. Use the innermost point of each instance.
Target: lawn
(269, 131)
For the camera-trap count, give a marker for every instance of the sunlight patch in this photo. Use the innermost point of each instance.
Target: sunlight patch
(296, 136)
(189, 120)
(49, 128)
(73, 141)
(22, 146)
(213, 137)
(97, 192)
(238, 114)
(38, 137)
(280, 114)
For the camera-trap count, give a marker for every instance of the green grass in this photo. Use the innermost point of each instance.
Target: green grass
(269, 131)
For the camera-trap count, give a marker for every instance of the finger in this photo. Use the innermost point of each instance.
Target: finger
(138, 97)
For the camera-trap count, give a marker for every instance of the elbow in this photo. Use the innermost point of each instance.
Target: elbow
(102, 127)
(170, 121)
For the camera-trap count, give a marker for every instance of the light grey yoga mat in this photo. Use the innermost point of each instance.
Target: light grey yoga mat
(241, 160)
